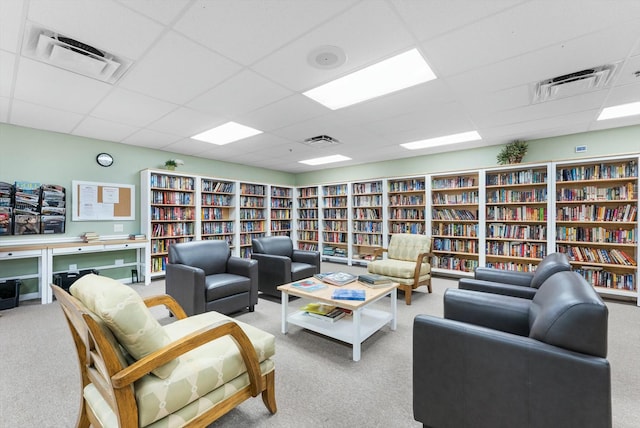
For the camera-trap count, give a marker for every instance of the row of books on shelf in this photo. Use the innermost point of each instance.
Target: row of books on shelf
(334, 251)
(516, 213)
(407, 185)
(517, 249)
(456, 198)
(597, 255)
(459, 245)
(602, 278)
(517, 177)
(454, 263)
(594, 193)
(451, 214)
(521, 196)
(171, 198)
(172, 182)
(597, 235)
(516, 231)
(599, 171)
(217, 186)
(587, 212)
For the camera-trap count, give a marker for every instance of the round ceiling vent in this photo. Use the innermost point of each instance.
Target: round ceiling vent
(326, 57)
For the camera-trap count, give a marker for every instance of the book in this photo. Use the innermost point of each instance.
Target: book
(332, 316)
(336, 278)
(318, 308)
(372, 278)
(308, 285)
(348, 294)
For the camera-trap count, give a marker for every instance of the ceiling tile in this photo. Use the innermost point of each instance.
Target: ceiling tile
(247, 30)
(127, 107)
(100, 129)
(4, 109)
(232, 98)
(149, 138)
(177, 70)
(162, 11)
(10, 23)
(370, 23)
(186, 122)
(44, 84)
(40, 117)
(103, 24)
(629, 72)
(188, 146)
(7, 62)
(283, 113)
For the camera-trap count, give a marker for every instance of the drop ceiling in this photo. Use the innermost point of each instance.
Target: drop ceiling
(197, 64)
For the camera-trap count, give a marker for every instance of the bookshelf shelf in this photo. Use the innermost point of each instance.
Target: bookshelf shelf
(280, 208)
(367, 220)
(217, 210)
(406, 205)
(307, 218)
(253, 206)
(335, 222)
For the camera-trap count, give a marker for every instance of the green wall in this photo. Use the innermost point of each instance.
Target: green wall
(599, 143)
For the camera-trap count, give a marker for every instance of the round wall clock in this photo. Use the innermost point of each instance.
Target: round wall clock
(104, 159)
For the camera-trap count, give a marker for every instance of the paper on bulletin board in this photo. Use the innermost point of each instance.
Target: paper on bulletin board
(102, 201)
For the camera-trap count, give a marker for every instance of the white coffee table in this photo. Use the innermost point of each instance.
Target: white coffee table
(354, 329)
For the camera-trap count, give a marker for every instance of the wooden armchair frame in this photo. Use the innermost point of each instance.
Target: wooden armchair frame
(100, 365)
(408, 288)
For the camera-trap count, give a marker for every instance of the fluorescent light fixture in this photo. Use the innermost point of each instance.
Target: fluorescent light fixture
(227, 133)
(325, 159)
(441, 141)
(622, 110)
(399, 72)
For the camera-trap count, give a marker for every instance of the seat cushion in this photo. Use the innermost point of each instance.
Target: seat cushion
(397, 268)
(301, 270)
(226, 284)
(124, 312)
(202, 370)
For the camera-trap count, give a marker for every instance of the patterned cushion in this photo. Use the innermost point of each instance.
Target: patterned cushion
(406, 246)
(398, 269)
(203, 377)
(124, 312)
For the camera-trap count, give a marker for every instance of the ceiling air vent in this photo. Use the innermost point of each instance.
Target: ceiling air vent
(572, 84)
(70, 54)
(321, 141)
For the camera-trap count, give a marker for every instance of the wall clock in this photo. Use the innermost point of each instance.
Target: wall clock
(104, 159)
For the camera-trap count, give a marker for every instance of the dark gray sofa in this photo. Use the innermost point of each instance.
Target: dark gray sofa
(203, 276)
(502, 361)
(516, 284)
(279, 263)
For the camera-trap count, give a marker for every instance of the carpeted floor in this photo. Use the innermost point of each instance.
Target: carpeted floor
(317, 383)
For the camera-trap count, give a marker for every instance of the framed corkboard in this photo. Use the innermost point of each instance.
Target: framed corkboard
(93, 201)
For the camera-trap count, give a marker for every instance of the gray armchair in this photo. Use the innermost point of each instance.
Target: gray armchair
(503, 361)
(203, 276)
(516, 284)
(279, 263)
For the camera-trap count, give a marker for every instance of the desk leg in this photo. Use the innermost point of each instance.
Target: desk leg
(357, 341)
(394, 308)
(46, 272)
(285, 311)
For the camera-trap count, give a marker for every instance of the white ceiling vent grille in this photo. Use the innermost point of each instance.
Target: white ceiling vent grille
(572, 84)
(64, 52)
(321, 141)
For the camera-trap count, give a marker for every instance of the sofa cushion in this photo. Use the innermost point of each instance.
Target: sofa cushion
(223, 285)
(408, 246)
(567, 312)
(124, 312)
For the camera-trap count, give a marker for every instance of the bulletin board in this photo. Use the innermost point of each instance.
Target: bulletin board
(102, 201)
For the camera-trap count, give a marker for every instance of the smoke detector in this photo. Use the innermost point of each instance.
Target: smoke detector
(321, 141)
(326, 57)
(572, 84)
(64, 52)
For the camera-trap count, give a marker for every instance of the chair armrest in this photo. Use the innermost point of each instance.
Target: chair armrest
(504, 276)
(465, 375)
(378, 252)
(504, 313)
(241, 266)
(186, 284)
(273, 269)
(497, 288)
(145, 365)
(309, 257)
(169, 302)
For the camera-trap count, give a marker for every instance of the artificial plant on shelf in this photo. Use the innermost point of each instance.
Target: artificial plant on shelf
(171, 164)
(513, 152)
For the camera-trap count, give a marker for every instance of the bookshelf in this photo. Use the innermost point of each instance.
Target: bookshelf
(516, 217)
(597, 222)
(335, 222)
(367, 220)
(171, 214)
(406, 205)
(455, 222)
(252, 215)
(217, 212)
(307, 217)
(281, 205)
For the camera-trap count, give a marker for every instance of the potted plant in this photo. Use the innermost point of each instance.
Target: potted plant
(513, 152)
(171, 164)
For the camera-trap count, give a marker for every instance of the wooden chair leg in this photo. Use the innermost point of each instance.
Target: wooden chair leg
(407, 294)
(269, 393)
(429, 286)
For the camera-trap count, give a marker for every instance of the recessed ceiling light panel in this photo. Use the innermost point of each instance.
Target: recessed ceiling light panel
(462, 137)
(325, 159)
(227, 133)
(622, 110)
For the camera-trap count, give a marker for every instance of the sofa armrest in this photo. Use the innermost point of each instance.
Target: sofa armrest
(503, 313)
(504, 276)
(497, 288)
(272, 271)
(466, 375)
(309, 257)
(240, 266)
(186, 285)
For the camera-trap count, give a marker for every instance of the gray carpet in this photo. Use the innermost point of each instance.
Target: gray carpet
(317, 383)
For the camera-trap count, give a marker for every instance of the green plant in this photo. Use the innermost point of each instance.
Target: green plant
(513, 152)
(173, 163)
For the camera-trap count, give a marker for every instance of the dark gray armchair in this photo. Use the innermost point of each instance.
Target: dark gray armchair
(516, 284)
(279, 263)
(203, 276)
(503, 361)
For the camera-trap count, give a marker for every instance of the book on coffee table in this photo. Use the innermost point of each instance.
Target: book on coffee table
(373, 278)
(336, 278)
(349, 294)
(308, 285)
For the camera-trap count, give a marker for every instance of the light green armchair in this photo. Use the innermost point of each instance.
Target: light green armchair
(407, 262)
(137, 373)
